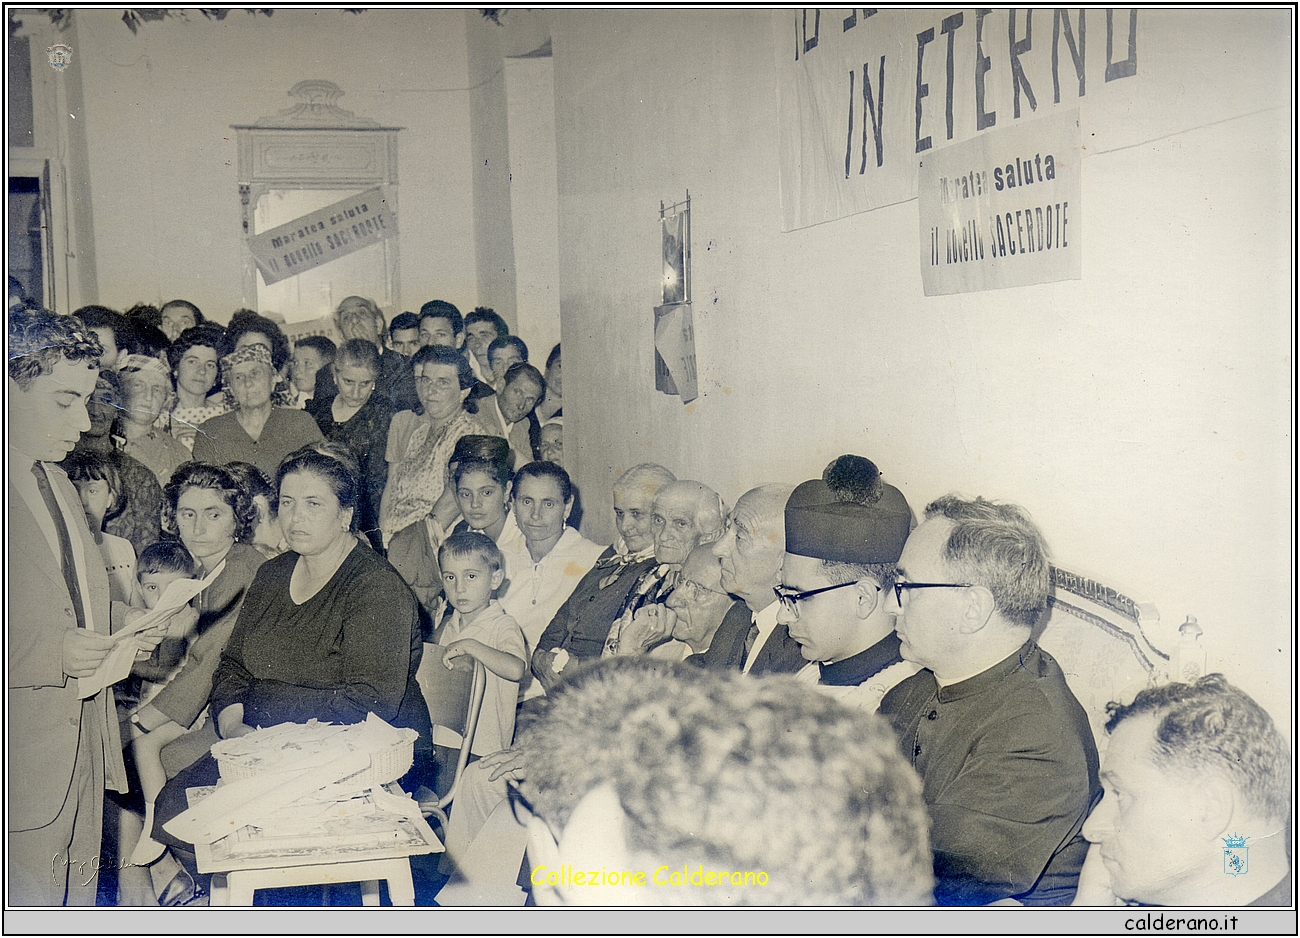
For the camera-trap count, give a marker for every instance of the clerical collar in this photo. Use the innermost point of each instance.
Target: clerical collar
(864, 665)
(1026, 656)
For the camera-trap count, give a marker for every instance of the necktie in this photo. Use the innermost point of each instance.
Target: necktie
(65, 542)
(749, 642)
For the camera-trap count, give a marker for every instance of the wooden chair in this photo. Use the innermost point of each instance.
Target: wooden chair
(454, 698)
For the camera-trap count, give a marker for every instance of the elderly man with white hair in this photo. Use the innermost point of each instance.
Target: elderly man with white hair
(581, 626)
(686, 514)
(359, 318)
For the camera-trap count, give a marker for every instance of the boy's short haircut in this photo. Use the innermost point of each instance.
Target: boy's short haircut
(403, 321)
(87, 466)
(323, 345)
(472, 544)
(508, 341)
(166, 557)
(441, 309)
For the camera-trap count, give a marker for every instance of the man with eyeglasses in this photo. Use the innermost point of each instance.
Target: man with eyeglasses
(844, 533)
(686, 514)
(1004, 750)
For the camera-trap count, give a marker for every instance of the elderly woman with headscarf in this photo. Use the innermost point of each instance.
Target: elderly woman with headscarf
(257, 431)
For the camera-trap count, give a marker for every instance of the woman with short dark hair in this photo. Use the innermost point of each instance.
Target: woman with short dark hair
(420, 444)
(194, 359)
(214, 517)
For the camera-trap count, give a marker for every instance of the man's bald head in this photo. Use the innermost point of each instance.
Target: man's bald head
(686, 515)
(754, 545)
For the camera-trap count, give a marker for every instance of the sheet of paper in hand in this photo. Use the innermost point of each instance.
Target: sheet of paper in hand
(119, 661)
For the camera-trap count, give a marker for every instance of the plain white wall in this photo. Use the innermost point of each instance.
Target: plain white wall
(534, 207)
(158, 109)
(1141, 414)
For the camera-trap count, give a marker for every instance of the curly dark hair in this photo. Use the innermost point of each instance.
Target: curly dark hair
(245, 321)
(1213, 726)
(207, 334)
(216, 478)
(255, 483)
(38, 339)
(489, 315)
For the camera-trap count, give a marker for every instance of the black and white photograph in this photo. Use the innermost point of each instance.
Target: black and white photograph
(919, 532)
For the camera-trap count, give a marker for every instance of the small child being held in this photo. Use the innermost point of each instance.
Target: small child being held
(100, 487)
(479, 628)
(159, 566)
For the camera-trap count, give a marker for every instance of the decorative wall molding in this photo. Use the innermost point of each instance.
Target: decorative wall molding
(314, 144)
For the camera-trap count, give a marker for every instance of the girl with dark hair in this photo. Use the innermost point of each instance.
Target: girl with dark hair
(102, 498)
(193, 358)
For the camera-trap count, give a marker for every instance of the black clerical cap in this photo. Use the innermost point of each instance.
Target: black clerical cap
(849, 515)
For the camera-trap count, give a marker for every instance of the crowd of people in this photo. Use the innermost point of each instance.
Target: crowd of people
(812, 696)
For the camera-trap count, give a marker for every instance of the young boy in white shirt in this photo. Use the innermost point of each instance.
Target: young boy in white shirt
(479, 628)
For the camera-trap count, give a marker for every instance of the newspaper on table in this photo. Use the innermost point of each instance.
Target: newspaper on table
(118, 664)
(294, 766)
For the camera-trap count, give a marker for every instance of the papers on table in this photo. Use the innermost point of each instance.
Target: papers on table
(296, 766)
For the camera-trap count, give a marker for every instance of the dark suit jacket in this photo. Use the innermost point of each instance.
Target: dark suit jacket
(779, 654)
(44, 711)
(727, 650)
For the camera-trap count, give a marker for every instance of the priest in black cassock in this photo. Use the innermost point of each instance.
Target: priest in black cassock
(1004, 750)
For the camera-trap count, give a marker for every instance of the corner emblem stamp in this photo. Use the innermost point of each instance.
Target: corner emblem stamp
(1236, 855)
(60, 56)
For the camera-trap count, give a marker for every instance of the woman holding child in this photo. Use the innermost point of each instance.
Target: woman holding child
(215, 518)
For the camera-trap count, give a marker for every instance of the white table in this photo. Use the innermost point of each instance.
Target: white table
(250, 859)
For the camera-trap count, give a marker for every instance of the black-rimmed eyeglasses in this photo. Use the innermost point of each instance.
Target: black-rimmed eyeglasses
(900, 585)
(789, 599)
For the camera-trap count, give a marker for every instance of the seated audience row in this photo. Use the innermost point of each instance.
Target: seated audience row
(812, 692)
